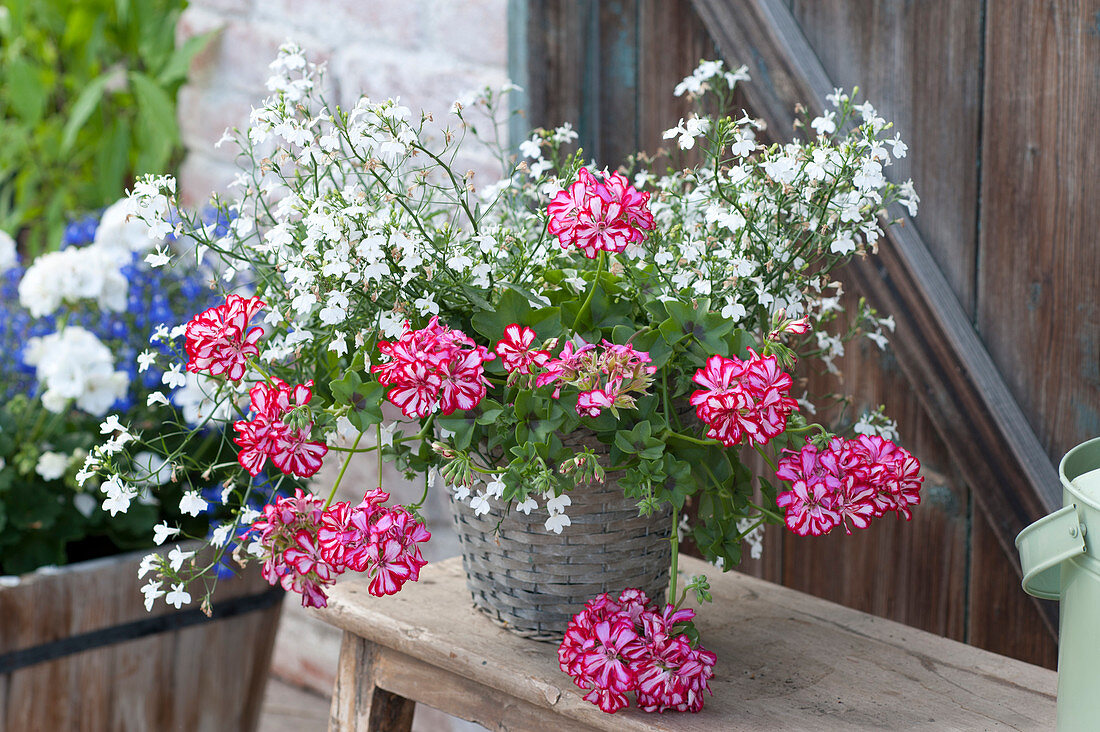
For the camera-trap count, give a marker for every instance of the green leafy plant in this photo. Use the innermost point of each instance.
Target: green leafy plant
(87, 101)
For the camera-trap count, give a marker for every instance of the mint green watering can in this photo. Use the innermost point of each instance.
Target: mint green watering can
(1060, 556)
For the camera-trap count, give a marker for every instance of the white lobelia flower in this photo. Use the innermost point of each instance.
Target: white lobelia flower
(112, 425)
(192, 503)
(152, 591)
(157, 397)
(148, 563)
(495, 488)
(177, 557)
(221, 535)
(178, 597)
(146, 359)
(480, 504)
(558, 504)
(174, 378)
(557, 522)
(527, 505)
(825, 124)
(531, 148)
(162, 532)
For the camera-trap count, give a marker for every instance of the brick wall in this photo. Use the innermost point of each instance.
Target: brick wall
(428, 52)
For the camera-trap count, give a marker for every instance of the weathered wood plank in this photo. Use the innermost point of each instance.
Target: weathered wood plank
(555, 33)
(920, 65)
(912, 572)
(146, 683)
(460, 696)
(1039, 270)
(671, 42)
(786, 661)
(947, 365)
(997, 620)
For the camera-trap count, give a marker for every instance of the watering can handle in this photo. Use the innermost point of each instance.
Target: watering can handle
(1043, 547)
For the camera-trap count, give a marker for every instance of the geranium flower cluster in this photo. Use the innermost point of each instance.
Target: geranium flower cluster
(220, 343)
(595, 216)
(743, 401)
(219, 340)
(272, 433)
(609, 375)
(304, 546)
(433, 369)
(847, 482)
(617, 646)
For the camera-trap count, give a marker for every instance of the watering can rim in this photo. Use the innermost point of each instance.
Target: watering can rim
(1068, 462)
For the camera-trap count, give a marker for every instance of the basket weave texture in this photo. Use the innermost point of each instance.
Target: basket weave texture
(532, 581)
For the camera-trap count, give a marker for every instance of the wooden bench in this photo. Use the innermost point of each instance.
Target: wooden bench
(785, 661)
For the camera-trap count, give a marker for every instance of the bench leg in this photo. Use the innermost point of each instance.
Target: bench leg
(359, 705)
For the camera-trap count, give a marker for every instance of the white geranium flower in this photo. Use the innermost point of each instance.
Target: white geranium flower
(52, 465)
(74, 365)
(9, 257)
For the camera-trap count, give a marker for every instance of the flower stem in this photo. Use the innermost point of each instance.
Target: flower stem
(343, 469)
(768, 460)
(687, 438)
(586, 306)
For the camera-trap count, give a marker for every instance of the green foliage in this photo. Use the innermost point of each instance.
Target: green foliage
(87, 101)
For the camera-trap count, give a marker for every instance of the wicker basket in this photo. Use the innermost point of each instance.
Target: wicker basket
(533, 581)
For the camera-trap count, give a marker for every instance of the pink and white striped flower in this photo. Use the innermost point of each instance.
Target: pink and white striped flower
(743, 401)
(433, 369)
(599, 216)
(219, 341)
(515, 351)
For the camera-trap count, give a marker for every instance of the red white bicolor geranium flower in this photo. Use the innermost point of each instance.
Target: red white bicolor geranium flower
(433, 369)
(305, 546)
(848, 482)
(595, 216)
(616, 646)
(515, 351)
(743, 401)
(266, 435)
(219, 341)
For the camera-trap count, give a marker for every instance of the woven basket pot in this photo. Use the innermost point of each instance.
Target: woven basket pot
(532, 581)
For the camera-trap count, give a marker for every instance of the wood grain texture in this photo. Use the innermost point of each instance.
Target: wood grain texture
(1039, 273)
(998, 621)
(920, 65)
(991, 442)
(204, 677)
(786, 661)
(912, 572)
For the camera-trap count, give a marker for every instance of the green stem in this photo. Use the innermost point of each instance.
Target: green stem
(687, 438)
(586, 306)
(675, 540)
(766, 512)
(340, 475)
(768, 460)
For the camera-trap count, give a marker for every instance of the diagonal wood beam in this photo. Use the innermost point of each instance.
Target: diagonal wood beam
(956, 381)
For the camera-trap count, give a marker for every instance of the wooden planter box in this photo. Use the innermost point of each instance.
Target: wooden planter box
(78, 651)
